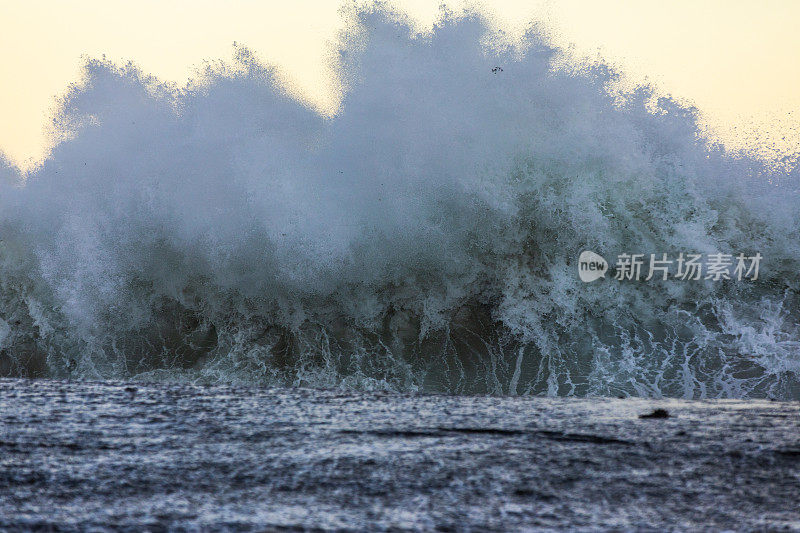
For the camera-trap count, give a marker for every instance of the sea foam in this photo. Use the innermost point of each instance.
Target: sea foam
(423, 238)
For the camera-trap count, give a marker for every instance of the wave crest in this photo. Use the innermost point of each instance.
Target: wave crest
(424, 238)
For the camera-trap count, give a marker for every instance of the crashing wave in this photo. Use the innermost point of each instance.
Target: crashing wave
(423, 238)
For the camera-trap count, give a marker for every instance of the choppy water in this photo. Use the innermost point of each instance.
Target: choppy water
(121, 456)
(424, 238)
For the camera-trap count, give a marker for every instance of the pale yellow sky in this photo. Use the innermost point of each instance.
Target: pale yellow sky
(737, 61)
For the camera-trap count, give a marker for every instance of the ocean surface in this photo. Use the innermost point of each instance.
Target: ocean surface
(221, 309)
(106, 456)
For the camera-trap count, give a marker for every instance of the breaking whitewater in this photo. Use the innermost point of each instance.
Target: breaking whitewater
(424, 238)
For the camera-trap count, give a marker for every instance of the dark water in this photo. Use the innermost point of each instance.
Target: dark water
(111, 456)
